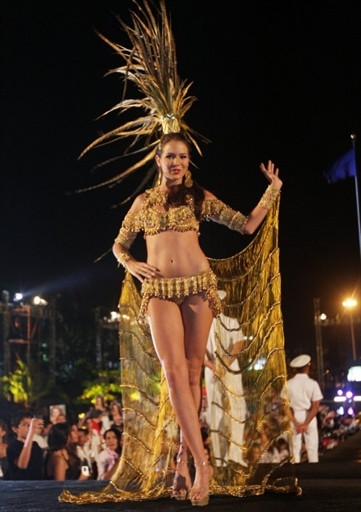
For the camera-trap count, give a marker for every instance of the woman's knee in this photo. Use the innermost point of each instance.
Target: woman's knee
(176, 375)
(195, 371)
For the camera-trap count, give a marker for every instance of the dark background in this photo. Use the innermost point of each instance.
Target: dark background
(274, 80)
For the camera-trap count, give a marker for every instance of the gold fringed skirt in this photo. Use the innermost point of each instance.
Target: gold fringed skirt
(177, 288)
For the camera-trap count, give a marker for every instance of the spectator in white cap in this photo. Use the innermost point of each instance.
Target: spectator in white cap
(304, 396)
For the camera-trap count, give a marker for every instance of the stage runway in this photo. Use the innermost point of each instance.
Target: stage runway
(332, 485)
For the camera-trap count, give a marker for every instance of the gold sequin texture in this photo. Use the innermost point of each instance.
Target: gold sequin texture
(177, 288)
(153, 218)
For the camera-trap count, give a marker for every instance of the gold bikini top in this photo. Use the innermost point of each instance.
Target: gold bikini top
(153, 218)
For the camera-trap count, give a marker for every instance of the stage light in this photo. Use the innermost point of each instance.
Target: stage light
(38, 301)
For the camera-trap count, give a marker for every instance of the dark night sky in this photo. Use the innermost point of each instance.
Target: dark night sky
(277, 80)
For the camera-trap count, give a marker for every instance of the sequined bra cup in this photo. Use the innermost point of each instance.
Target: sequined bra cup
(153, 218)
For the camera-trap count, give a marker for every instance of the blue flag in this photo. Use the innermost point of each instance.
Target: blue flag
(344, 167)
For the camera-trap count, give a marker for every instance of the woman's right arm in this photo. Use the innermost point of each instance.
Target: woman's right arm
(128, 231)
(127, 234)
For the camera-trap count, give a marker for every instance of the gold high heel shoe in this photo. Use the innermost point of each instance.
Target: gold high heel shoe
(180, 485)
(205, 500)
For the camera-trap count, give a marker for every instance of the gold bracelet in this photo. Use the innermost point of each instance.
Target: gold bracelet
(269, 197)
(243, 225)
(122, 258)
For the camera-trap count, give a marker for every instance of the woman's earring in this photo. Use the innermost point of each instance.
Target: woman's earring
(188, 182)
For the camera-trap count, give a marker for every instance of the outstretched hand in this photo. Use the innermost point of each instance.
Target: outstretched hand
(271, 173)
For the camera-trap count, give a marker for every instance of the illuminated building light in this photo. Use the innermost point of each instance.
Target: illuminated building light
(349, 303)
(339, 399)
(354, 374)
(38, 301)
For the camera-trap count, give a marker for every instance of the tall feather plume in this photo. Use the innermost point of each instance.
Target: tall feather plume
(150, 63)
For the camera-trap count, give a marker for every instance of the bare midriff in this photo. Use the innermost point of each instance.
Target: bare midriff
(176, 253)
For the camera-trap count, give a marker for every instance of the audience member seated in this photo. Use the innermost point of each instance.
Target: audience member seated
(41, 436)
(24, 455)
(95, 439)
(107, 458)
(116, 415)
(84, 444)
(75, 446)
(62, 460)
(104, 418)
(283, 448)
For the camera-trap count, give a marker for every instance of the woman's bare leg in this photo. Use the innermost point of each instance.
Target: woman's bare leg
(180, 336)
(197, 318)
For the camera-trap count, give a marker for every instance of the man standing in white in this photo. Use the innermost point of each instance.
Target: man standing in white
(304, 396)
(227, 428)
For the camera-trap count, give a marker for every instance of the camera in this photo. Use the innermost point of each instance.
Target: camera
(85, 470)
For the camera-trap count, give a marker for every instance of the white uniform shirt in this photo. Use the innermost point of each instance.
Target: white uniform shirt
(302, 391)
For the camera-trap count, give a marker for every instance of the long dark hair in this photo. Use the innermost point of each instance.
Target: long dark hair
(179, 193)
(58, 436)
(118, 435)
(58, 439)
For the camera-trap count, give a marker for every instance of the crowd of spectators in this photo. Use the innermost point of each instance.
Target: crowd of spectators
(59, 447)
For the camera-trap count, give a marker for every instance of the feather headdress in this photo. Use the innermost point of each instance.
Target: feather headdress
(151, 65)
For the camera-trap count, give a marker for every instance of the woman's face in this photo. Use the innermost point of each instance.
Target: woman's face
(74, 434)
(99, 404)
(173, 162)
(111, 441)
(55, 411)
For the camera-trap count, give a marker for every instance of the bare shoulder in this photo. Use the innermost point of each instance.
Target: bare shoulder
(137, 203)
(60, 455)
(208, 195)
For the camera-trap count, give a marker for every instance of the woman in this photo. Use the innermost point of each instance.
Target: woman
(63, 461)
(179, 290)
(108, 457)
(101, 406)
(116, 415)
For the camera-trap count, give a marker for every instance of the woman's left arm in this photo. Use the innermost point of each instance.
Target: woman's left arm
(259, 212)
(214, 209)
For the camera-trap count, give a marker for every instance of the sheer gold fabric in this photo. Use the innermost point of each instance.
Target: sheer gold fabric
(145, 471)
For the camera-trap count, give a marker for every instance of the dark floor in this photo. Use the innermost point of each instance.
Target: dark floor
(332, 485)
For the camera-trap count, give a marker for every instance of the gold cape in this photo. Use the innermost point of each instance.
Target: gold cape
(146, 468)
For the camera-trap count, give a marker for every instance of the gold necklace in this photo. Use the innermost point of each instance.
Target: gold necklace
(157, 196)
